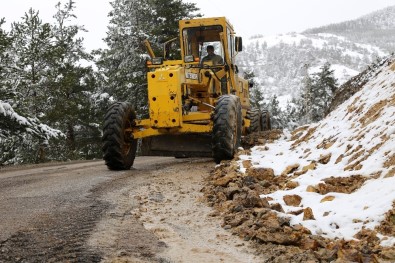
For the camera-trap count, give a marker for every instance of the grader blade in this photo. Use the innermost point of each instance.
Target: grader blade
(181, 145)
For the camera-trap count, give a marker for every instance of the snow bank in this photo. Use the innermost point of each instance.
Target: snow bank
(357, 139)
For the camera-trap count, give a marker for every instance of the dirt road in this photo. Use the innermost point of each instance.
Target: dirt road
(82, 212)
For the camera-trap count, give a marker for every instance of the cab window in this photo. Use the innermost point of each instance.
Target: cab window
(196, 40)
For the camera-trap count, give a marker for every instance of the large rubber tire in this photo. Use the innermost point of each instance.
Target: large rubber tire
(227, 128)
(266, 122)
(255, 117)
(118, 147)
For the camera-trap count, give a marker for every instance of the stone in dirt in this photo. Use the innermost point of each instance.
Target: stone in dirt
(247, 164)
(259, 138)
(327, 198)
(223, 181)
(311, 166)
(292, 200)
(324, 159)
(345, 185)
(277, 207)
(291, 185)
(261, 173)
(290, 169)
(308, 214)
(311, 189)
(309, 244)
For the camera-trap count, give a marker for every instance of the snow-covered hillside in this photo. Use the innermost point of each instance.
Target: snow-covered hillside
(281, 62)
(376, 28)
(342, 169)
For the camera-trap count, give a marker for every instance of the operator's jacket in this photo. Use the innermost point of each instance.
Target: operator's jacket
(215, 59)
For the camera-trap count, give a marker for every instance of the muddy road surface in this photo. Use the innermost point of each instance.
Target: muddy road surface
(82, 212)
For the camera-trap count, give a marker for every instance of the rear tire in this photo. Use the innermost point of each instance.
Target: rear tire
(255, 117)
(227, 128)
(118, 147)
(266, 122)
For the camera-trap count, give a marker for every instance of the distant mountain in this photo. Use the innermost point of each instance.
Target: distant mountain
(281, 62)
(377, 29)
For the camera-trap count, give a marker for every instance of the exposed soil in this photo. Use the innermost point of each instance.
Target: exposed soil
(236, 198)
(387, 227)
(170, 206)
(261, 137)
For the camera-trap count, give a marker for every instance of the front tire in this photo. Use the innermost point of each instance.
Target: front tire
(227, 128)
(118, 147)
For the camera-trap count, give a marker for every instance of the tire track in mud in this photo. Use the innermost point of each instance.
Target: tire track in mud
(56, 237)
(171, 207)
(151, 213)
(60, 232)
(62, 212)
(120, 236)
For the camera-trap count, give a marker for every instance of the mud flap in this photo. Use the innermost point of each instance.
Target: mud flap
(183, 145)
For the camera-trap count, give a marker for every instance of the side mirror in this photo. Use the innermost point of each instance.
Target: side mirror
(250, 84)
(238, 44)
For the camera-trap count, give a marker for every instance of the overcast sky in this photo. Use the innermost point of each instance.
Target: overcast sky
(249, 17)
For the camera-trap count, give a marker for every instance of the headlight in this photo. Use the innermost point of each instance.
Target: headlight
(189, 58)
(157, 61)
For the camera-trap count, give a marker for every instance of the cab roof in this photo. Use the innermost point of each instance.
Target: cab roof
(196, 22)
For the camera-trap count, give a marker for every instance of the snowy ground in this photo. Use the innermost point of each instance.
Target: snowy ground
(357, 139)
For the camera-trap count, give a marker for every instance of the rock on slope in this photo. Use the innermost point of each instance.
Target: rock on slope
(324, 193)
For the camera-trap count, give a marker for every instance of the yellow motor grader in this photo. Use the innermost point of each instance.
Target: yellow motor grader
(197, 107)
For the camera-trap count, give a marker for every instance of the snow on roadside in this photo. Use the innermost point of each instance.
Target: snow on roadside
(356, 139)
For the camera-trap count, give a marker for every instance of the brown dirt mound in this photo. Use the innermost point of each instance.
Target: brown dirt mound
(345, 185)
(236, 198)
(387, 227)
(259, 138)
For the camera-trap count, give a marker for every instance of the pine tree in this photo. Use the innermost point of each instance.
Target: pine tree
(317, 94)
(20, 135)
(256, 94)
(165, 15)
(70, 86)
(31, 44)
(28, 71)
(305, 102)
(277, 116)
(6, 64)
(291, 117)
(121, 64)
(323, 89)
(41, 64)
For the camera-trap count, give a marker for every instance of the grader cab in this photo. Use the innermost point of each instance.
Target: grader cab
(197, 107)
